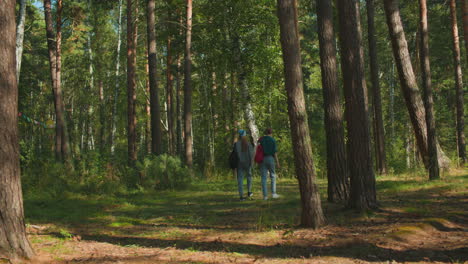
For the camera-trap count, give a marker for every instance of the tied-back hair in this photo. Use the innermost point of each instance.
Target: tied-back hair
(244, 144)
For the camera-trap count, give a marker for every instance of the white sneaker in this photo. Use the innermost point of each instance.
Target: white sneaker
(275, 196)
(265, 198)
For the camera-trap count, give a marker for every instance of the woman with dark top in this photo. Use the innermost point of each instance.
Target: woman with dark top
(245, 153)
(270, 161)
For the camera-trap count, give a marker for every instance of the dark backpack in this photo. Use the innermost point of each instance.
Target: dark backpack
(233, 158)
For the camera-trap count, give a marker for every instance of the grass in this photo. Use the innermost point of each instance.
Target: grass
(212, 210)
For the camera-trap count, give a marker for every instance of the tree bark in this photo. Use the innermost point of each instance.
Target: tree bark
(20, 37)
(54, 58)
(117, 83)
(458, 84)
(312, 215)
(64, 143)
(156, 137)
(131, 81)
(363, 193)
(408, 82)
(188, 88)
(169, 89)
(379, 136)
(427, 95)
(465, 24)
(179, 94)
(244, 88)
(337, 171)
(14, 243)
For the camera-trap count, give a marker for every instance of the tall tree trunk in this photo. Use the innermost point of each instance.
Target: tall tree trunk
(131, 81)
(20, 37)
(427, 95)
(465, 24)
(312, 215)
(188, 88)
(156, 138)
(337, 171)
(379, 135)
(170, 90)
(117, 83)
(245, 93)
(458, 84)
(363, 193)
(64, 143)
(148, 107)
(408, 82)
(13, 239)
(179, 94)
(53, 47)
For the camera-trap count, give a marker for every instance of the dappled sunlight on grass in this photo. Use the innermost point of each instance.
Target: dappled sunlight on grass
(209, 218)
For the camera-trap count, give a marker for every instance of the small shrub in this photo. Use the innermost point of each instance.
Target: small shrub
(163, 172)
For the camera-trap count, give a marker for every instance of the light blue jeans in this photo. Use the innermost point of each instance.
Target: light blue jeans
(240, 180)
(268, 165)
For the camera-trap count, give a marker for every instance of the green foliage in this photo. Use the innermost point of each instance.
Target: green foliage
(163, 172)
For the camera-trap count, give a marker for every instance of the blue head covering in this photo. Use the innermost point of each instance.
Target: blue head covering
(242, 133)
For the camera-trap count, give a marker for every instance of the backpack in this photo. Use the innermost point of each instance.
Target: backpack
(259, 154)
(233, 158)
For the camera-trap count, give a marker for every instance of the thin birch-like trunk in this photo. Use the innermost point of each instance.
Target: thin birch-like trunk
(20, 37)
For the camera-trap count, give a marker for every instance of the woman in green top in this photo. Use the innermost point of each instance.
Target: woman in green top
(270, 161)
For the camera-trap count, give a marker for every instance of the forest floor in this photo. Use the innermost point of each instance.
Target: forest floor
(419, 222)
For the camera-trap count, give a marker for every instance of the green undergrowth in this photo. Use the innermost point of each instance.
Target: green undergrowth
(214, 206)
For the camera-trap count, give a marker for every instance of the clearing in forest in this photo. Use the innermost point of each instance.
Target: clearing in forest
(419, 222)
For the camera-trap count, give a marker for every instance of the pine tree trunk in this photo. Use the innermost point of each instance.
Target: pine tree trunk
(458, 84)
(156, 137)
(117, 83)
(408, 82)
(188, 88)
(14, 243)
(20, 37)
(427, 95)
(54, 47)
(465, 24)
(363, 193)
(312, 215)
(170, 95)
(131, 81)
(337, 171)
(179, 94)
(379, 136)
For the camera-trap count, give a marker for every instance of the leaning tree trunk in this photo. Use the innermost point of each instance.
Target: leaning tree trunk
(337, 171)
(427, 95)
(156, 138)
(379, 135)
(458, 83)
(408, 82)
(188, 88)
(20, 37)
(312, 215)
(13, 239)
(363, 193)
(131, 82)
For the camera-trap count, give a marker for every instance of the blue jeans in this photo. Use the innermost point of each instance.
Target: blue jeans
(268, 165)
(240, 180)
